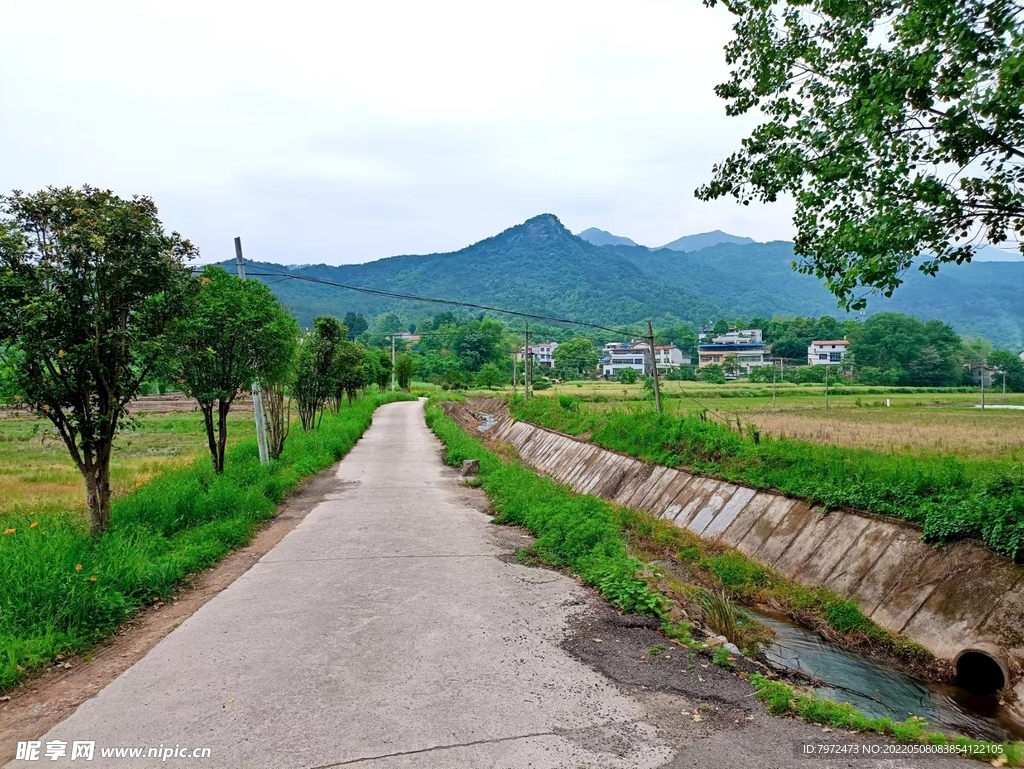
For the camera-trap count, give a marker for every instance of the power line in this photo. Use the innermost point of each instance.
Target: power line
(435, 300)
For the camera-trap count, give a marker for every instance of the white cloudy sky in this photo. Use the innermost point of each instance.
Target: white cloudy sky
(350, 131)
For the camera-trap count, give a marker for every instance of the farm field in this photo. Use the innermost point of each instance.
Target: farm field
(919, 421)
(37, 473)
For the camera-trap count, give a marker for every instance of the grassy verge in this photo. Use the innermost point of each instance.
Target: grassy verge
(715, 567)
(62, 590)
(949, 498)
(589, 536)
(781, 699)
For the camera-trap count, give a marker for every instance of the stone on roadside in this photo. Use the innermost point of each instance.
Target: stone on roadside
(470, 467)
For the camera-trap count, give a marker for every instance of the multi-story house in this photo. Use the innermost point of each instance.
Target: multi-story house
(670, 356)
(543, 354)
(737, 351)
(827, 352)
(619, 355)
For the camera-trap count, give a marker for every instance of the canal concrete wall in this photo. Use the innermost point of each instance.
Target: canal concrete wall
(946, 598)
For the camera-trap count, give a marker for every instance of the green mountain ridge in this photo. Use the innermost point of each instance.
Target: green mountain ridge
(541, 267)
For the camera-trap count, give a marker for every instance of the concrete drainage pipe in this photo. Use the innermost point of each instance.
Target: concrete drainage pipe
(982, 668)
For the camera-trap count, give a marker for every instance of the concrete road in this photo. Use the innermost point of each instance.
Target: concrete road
(394, 628)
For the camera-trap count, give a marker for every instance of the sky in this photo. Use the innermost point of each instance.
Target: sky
(351, 131)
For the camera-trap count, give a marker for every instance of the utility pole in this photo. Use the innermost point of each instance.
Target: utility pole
(774, 370)
(257, 395)
(827, 367)
(526, 364)
(654, 366)
(982, 386)
(392, 363)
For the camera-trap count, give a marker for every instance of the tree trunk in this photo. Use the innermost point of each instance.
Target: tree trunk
(97, 493)
(211, 437)
(222, 430)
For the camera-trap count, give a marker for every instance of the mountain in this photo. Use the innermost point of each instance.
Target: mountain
(538, 266)
(705, 240)
(541, 267)
(602, 238)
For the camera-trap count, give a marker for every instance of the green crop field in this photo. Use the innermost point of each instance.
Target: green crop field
(918, 421)
(37, 473)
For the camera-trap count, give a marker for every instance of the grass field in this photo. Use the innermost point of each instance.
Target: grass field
(37, 473)
(918, 421)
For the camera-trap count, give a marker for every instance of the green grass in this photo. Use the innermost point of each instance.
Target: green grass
(63, 590)
(781, 699)
(948, 497)
(36, 471)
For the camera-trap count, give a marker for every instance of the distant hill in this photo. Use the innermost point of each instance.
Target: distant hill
(539, 266)
(602, 238)
(705, 240)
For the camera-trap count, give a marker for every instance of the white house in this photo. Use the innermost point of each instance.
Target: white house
(543, 354)
(827, 352)
(620, 355)
(670, 356)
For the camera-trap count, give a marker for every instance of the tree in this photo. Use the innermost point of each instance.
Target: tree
(720, 327)
(89, 283)
(918, 353)
(479, 342)
(389, 323)
(356, 325)
(628, 375)
(712, 373)
(731, 364)
(378, 365)
(313, 370)
(490, 376)
(576, 355)
(232, 332)
(894, 124)
(347, 371)
(404, 368)
(1010, 364)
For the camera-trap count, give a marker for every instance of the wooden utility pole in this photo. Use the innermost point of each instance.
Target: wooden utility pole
(774, 370)
(515, 371)
(982, 386)
(392, 362)
(827, 367)
(527, 360)
(257, 394)
(654, 366)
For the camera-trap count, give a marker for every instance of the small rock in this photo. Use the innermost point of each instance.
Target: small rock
(714, 641)
(733, 648)
(470, 467)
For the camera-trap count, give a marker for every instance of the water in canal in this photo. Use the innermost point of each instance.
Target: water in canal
(879, 691)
